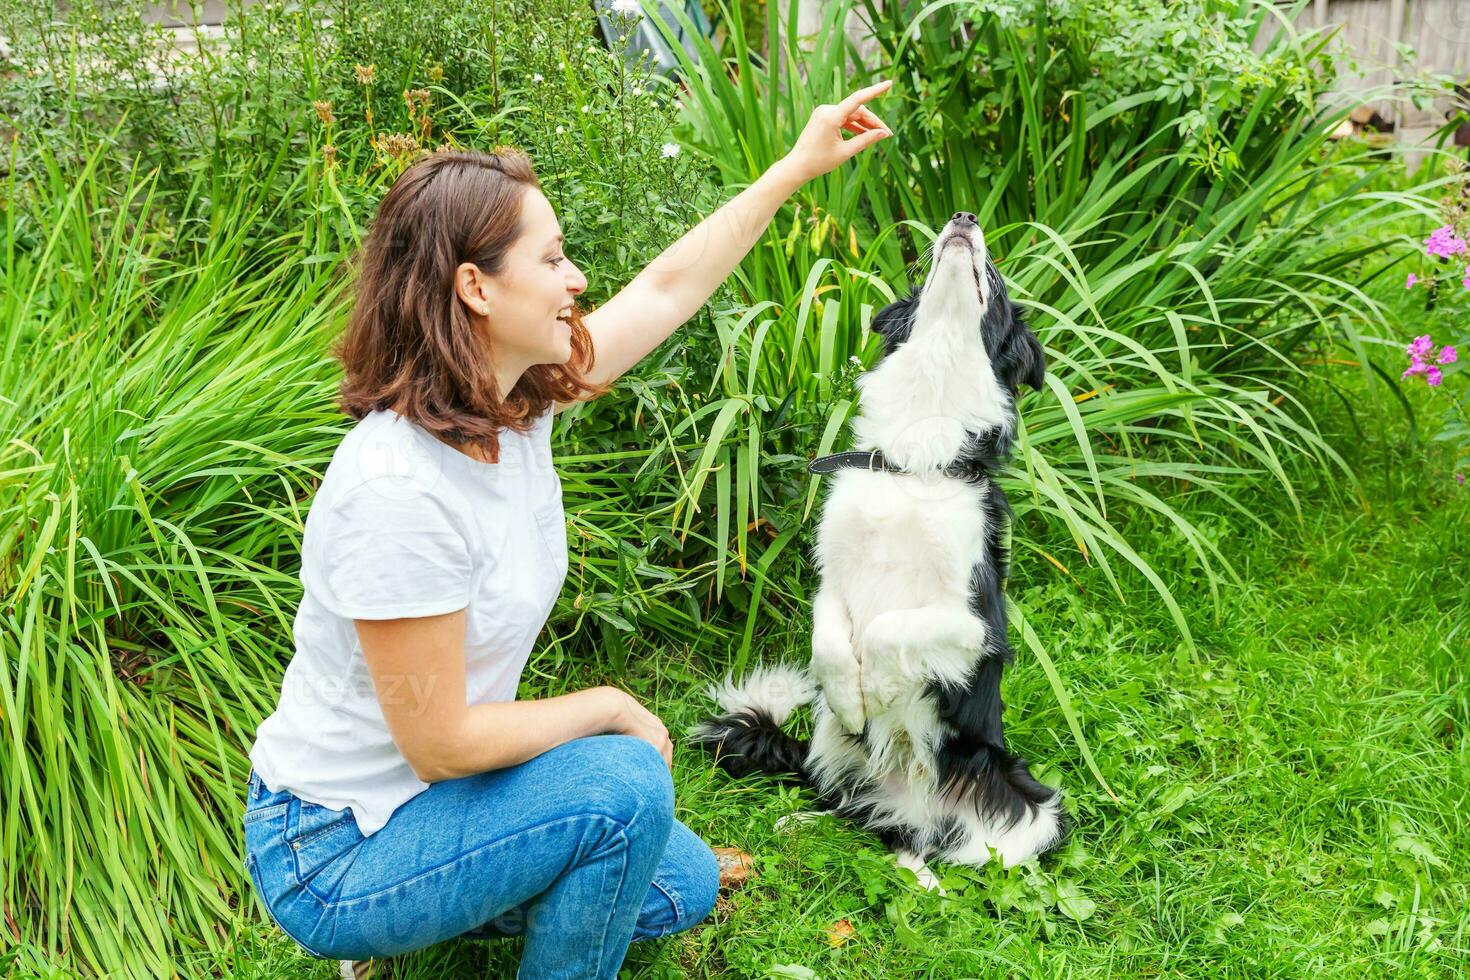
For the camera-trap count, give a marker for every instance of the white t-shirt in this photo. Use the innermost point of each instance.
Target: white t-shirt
(403, 525)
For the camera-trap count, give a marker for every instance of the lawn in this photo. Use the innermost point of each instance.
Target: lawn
(1290, 802)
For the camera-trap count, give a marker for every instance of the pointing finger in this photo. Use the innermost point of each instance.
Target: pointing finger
(862, 95)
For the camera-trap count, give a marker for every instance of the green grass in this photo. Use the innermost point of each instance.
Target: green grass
(1291, 802)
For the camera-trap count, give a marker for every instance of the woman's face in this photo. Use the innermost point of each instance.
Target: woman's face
(522, 304)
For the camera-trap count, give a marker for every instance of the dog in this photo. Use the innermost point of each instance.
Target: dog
(909, 618)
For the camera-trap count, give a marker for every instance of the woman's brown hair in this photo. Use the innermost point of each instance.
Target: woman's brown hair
(410, 344)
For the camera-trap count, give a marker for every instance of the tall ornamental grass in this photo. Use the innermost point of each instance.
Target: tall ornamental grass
(164, 423)
(1175, 304)
(1176, 268)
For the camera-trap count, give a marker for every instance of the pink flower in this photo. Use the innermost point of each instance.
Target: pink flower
(1466, 281)
(1460, 479)
(1444, 242)
(1420, 352)
(1409, 282)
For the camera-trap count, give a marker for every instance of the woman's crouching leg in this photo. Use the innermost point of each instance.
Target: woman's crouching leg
(581, 926)
(684, 886)
(574, 836)
(681, 895)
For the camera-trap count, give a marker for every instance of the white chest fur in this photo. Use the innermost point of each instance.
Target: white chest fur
(919, 402)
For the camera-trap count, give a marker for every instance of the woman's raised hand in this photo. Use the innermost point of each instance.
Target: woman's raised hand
(821, 147)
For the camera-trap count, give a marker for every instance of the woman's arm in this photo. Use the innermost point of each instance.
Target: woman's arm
(673, 287)
(417, 666)
(676, 284)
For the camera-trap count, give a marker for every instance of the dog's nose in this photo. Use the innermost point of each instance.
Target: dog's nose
(964, 218)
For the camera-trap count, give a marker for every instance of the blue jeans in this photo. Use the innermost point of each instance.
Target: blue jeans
(577, 848)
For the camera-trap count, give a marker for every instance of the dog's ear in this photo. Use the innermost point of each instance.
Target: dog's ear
(895, 321)
(1016, 353)
(1023, 361)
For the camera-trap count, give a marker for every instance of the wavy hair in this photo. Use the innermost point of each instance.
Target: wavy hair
(410, 343)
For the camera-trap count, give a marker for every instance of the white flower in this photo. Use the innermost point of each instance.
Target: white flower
(855, 359)
(559, 131)
(628, 8)
(671, 149)
(586, 108)
(537, 78)
(637, 90)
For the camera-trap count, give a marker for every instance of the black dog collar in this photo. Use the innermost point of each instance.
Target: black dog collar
(874, 461)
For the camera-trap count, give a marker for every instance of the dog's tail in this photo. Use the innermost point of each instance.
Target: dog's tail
(748, 738)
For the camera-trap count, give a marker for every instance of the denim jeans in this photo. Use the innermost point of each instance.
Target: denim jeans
(577, 849)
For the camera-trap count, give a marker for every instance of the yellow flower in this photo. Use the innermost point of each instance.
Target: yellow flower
(366, 74)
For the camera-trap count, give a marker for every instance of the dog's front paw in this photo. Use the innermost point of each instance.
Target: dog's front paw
(842, 690)
(847, 708)
(885, 644)
(837, 673)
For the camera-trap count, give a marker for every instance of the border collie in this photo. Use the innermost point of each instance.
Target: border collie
(909, 619)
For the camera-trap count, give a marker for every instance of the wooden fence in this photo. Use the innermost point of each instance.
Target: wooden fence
(1391, 41)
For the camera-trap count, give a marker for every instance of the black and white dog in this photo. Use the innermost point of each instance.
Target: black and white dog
(909, 620)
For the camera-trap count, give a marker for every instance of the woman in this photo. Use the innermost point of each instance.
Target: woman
(399, 795)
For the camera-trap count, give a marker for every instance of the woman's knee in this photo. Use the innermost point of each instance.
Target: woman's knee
(630, 778)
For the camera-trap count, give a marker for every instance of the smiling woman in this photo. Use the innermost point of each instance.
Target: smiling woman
(460, 290)
(400, 794)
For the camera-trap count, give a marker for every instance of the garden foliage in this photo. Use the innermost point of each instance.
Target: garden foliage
(178, 245)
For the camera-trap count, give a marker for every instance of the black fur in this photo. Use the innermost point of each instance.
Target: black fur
(973, 760)
(748, 742)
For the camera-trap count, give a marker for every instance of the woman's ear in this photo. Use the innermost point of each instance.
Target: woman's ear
(470, 285)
